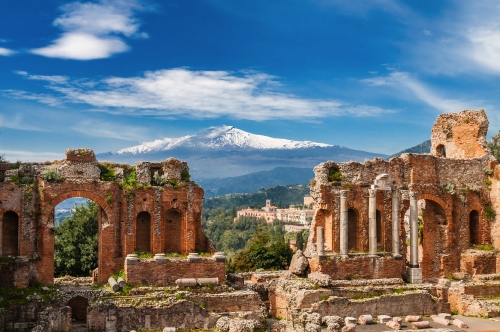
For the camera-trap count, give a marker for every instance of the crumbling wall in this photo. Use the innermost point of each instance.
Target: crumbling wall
(460, 135)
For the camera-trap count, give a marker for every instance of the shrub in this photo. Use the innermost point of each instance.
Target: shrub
(107, 172)
(159, 180)
(185, 176)
(51, 175)
(489, 212)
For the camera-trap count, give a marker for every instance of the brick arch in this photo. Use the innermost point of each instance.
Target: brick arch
(78, 305)
(78, 193)
(10, 233)
(436, 199)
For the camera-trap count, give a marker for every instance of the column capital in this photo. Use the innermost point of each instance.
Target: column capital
(395, 193)
(343, 193)
(413, 194)
(372, 192)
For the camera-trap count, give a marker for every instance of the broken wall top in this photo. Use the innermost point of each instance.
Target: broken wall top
(460, 135)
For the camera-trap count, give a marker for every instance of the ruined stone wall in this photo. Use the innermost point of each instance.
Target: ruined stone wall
(147, 272)
(33, 195)
(228, 302)
(474, 262)
(358, 267)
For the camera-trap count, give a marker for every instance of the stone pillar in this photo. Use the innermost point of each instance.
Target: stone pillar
(395, 225)
(372, 222)
(344, 242)
(320, 241)
(413, 229)
(414, 273)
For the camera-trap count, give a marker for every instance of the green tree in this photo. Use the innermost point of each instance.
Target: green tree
(76, 241)
(2, 159)
(299, 241)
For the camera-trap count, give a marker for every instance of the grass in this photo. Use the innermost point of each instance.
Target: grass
(486, 247)
(367, 296)
(34, 293)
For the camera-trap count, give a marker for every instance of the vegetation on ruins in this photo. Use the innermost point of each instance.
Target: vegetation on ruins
(2, 159)
(76, 241)
(159, 180)
(334, 175)
(264, 251)
(51, 175)
(107, 171)
(130, 183)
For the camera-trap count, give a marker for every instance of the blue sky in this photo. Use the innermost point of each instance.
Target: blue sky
(370, 75)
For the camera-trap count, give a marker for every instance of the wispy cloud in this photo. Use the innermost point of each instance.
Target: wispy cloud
(198, 94)
(16, 121)
(111, 130)
(47, 99)
(6, 52)
(13, 155)
(93, 30)
(403, 82)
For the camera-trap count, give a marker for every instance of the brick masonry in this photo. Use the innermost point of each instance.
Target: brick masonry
(118, 225)
(148, 272)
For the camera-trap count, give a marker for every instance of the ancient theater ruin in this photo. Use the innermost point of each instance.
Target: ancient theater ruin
(449, 199)
(140, 216)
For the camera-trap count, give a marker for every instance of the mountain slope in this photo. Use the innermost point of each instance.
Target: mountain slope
(424, 147)
(253, 182)
(221, 152)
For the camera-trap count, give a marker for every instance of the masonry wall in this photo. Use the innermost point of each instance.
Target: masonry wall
(358, 267)
(147, 272)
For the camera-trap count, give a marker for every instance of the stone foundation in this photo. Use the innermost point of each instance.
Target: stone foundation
(357, 267)
(148, 272)
(480, 262)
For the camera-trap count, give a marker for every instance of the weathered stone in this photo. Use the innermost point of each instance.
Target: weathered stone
(299, 263)
(393, 325)
(458, 323)
(444, 315)
(121, 282)
(114, 285)
(383, 318)
(349, 328)
(411, 319)
(310, 327)
(365, 319)
(320, 279)
(440, 320)
(313, 318)
(420, 325)
(350, 320)
(83, 155)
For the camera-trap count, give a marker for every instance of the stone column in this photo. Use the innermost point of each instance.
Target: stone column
(395, 225)
(414, 273)
(413, 229)
(372, 222)
(344, 236)
(320, 241)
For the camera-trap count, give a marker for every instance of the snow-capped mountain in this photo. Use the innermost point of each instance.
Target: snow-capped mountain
(222, 138)
(221, 152)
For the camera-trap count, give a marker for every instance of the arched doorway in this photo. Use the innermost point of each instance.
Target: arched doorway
(433, 237)
(474, 227)
(78, 305)
(76, 243)
(441, 151)
(379, 230)
(143, 232)
(352, 229)
(10, 234)
(173, 231)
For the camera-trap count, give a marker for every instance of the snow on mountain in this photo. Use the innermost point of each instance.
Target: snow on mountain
(220, 138)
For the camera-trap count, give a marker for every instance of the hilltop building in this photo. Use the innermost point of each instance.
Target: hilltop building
(293, 214)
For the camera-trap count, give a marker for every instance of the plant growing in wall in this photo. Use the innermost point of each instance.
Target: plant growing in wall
(107, 172)
(159, 180)
(334, 175)
(51, 175)
(185, 176)
(489, 212)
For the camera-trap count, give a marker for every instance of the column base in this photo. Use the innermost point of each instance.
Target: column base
(414, 275)
(373, 255)
(397, 257)
(344, 255)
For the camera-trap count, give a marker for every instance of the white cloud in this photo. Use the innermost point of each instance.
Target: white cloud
(486, 46)
(111, 130)
(91, 30)
(40, 97)
(6, 52)
(82, 46)
(404, 82)
(199, 94)
(13, 155)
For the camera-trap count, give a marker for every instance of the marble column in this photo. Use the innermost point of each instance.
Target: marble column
(395, 225)
(372, 222)
(320, 241)
(344, 235)
(413, 229)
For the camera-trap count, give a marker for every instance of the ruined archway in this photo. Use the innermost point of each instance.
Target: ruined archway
(78, 305)
(474, 227)
(143, 232)
(10, 234)
(173, 231)
(352, 229)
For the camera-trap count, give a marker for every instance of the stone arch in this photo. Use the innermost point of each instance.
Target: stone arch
(143, 232)
(441, 151)
(474, 237)
(352, 229)
(10, 234)
(78, 193)
(172, 231)
(78, 305)
(320, 220)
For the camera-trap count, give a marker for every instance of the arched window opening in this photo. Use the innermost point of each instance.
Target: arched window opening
(10, 234)
(379, 229)
(143, 232)
(441, 151)
(173, 231)
(352, 229)
(474, 227)
(78, 305)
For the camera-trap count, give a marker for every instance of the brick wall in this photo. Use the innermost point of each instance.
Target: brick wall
(147, 272)
(479, 262)
(358, 267)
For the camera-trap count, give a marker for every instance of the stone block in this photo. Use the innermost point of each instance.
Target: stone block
(160, 259)
(349, 320)
(219, 257)
(383, 318)
(194, 257)
(444, 315)
(414, 275)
